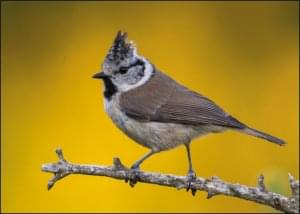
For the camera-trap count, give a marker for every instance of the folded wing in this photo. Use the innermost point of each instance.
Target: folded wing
(163, 100)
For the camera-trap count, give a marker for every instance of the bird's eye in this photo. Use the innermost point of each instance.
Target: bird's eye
(123, 70)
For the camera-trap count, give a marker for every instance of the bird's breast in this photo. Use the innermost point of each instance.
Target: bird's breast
(112, 108)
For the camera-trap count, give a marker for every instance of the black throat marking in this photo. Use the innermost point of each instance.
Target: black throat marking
(110, 88)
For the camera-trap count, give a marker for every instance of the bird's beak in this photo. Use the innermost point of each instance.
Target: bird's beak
(100, 75)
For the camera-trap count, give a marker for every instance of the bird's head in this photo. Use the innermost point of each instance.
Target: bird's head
(123, 66)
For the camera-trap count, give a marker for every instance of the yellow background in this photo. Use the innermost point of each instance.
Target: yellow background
(244, 56)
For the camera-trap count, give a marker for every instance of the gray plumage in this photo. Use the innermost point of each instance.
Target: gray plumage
(161, 99)
(155, 110)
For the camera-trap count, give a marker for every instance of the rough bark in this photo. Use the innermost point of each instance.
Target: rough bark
(213, 186)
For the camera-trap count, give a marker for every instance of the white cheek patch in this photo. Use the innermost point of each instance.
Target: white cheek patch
(147, 74)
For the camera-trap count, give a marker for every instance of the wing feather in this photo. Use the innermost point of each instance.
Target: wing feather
(162, 99)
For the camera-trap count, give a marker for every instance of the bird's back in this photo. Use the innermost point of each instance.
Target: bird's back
(164, 100)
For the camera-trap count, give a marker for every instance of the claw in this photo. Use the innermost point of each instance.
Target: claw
(191, 177)
(133, 176)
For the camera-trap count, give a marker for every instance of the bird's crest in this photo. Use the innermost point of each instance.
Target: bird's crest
(121, 49)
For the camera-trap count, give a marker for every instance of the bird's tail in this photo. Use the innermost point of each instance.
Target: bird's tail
(263, 135)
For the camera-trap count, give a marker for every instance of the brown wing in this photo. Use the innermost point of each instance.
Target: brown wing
(162, 99)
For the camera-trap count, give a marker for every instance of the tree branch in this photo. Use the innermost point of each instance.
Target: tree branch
(213, 186)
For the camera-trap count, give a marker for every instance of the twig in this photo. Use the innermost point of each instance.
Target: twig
(213, 186)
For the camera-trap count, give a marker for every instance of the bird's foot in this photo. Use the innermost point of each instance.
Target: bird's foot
(191, 177)
(133, 175)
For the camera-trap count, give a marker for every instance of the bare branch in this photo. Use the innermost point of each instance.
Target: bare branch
(213, 186)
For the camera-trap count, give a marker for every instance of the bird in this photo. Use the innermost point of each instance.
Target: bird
(156, 111)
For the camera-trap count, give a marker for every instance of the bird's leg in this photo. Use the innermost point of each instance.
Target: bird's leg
(133, 175)
(191, 176)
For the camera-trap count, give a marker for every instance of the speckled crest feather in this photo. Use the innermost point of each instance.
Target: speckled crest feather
(120, 49)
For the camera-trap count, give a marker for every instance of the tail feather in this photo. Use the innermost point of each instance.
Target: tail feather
(263, 135)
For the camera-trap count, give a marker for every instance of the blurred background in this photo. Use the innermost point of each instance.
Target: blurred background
(243, 55)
